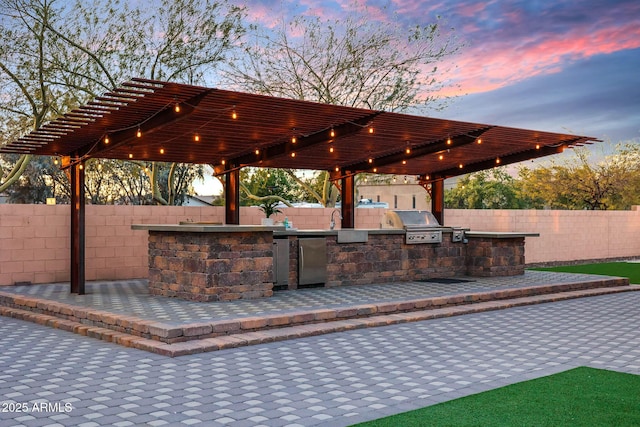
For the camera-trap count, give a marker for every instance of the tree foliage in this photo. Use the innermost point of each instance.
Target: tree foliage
(354, 61)
(490, 189)
(613, 182)
(55, 55)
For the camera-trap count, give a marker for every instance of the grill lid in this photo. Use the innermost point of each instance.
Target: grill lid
(409, 219)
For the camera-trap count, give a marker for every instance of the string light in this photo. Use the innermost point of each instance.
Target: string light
(177, 108)
(106, 140)
(293, 154)
(370, 160)
(461, 166)
(223, 162)
(162, 151)
(331, 149)
(408, 150)
(370, 129)
(537, 146)
(257, 152)
(131, 155)
(337, 168)
(498, 160)
(479, 140)
(448, 141)
(234, 115)
(332, 133)
(81, 166)
(404, 162)
(375, 170)
(139, 133)
(196, 138)
(294, 139)
(55, 161)
(405, 180)
(441, 156)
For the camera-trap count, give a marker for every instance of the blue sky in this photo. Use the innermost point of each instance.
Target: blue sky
(556, 65)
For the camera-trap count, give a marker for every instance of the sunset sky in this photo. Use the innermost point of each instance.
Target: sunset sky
(562, 66)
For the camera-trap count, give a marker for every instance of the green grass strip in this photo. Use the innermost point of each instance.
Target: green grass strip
(620, 269)
(578, 397)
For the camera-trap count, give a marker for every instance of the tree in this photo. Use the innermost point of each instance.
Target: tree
(354, 61)
(581, 183)
(260, 185)
(490, 189)
(55, 55)
(613, 182)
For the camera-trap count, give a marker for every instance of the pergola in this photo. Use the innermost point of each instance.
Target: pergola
(147, 120)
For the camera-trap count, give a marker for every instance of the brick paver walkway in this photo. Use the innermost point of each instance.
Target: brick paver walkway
(329, 380)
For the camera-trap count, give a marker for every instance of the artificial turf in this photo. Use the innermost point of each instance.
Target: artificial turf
(620, 269)
(578, 397)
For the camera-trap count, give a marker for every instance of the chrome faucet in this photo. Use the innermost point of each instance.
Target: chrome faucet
(332, 224)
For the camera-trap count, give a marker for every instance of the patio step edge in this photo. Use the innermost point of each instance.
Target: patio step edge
(270, 334)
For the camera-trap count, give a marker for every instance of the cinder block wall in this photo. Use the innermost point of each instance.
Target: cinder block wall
(34, 239)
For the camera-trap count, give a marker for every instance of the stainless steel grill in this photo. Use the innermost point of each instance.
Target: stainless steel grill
(409, 219)
(419, 226)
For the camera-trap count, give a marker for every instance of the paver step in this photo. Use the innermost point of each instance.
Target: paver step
(194, 338)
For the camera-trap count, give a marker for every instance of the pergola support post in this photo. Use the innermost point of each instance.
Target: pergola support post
(437, 200)
(348, 201)
(232, 197)
(77, 229)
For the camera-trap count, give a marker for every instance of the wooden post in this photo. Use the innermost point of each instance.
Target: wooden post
(232, 197)
(437, 200)
(348, 206)
(77, 229)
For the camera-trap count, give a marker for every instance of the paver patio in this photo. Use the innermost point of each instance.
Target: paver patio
(329, 380)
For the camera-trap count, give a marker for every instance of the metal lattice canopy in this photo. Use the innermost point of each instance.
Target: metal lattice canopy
(148, 120)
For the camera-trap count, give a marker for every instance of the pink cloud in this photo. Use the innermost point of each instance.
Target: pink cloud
(496, 64)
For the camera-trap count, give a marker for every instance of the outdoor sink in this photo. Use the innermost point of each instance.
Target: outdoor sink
(353, 236)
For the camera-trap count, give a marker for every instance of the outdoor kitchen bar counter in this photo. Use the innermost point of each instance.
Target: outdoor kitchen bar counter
(203, 262)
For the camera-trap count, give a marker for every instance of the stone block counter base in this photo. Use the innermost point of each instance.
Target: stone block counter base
(224, 263)
(228, 264)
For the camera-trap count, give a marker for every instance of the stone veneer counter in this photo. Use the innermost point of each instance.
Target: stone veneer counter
(210, 262)
(201, 262)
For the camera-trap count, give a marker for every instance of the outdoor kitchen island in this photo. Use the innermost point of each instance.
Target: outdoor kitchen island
(202, 262)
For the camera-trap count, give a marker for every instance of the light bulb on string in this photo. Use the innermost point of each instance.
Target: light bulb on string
(332, 133)
(106, 140)
(176, 108)
(196, 138)
(139, 133)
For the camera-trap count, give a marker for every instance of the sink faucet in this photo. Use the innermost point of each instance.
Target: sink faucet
(332, 224)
